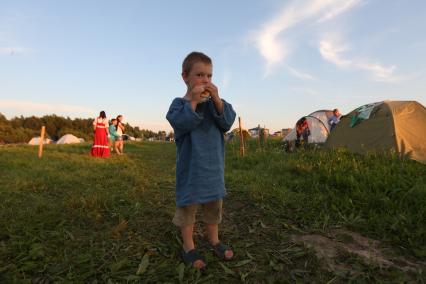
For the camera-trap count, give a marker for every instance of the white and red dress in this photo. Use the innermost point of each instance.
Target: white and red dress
(100, 146)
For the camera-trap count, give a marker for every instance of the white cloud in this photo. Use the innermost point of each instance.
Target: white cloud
(14, 50)
(340, 8)
(300, 74)
(380, 73)
(273, 47)
(332, 50)
(30, 107)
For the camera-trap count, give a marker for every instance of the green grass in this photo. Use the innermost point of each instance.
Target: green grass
(71, 218)
(378, 195)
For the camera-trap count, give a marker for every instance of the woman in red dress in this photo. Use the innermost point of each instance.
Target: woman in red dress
(100, 146)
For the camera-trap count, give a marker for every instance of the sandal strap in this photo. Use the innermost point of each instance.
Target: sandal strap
(220, 250)
(192, 256)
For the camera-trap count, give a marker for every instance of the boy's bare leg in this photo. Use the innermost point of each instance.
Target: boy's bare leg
(188, 243)
(213, 234)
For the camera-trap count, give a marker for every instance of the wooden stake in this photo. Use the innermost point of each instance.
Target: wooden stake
(264, 135)
(242, 150)
(41, 141)
(258, 136)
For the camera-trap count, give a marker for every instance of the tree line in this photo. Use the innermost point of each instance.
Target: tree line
(21, 129)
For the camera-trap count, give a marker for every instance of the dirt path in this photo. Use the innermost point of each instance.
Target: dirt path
(342, 242)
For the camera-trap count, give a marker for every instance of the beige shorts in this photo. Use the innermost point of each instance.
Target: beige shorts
(212, 213)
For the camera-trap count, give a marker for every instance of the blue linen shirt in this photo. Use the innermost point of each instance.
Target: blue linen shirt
(200, 155)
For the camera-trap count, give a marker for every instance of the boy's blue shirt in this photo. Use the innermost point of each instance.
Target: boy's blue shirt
(200, 150)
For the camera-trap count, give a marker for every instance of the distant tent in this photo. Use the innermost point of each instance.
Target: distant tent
(318, 125)
(68, 139)
(388, 125)
(36, 141)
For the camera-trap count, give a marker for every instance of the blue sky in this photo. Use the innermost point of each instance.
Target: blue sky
(275, 61)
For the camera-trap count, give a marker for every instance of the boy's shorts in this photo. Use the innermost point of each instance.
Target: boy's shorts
(212, 213)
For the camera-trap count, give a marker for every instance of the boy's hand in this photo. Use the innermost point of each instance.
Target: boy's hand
(194, 94)
(212, 89)
(214, 93)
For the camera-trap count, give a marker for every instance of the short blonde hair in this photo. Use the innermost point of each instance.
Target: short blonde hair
(193, 58)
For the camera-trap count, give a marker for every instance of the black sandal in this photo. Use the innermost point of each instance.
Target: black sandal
(191, 257)
(220, 249)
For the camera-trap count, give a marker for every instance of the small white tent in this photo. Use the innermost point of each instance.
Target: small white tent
(36, 141)
(318, 125)
(68, 139)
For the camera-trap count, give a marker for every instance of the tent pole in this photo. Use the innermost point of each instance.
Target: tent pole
(264, 134)
(242, 150)
(258, 136)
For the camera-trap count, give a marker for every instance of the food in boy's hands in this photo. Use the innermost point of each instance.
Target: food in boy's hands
(205, 94)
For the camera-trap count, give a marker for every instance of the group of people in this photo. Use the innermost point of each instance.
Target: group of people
(102, 146)
(303, 131)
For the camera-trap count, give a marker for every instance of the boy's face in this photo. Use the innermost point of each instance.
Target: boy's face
(200, 74)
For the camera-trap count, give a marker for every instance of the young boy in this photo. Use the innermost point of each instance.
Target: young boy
(199, 120)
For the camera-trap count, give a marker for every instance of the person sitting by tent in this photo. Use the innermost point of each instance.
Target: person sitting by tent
(334, 119)
(302, 130)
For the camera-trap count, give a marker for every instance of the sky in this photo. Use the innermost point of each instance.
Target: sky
(274, 61)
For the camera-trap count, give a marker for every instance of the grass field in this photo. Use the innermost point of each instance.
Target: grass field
(71, 218)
